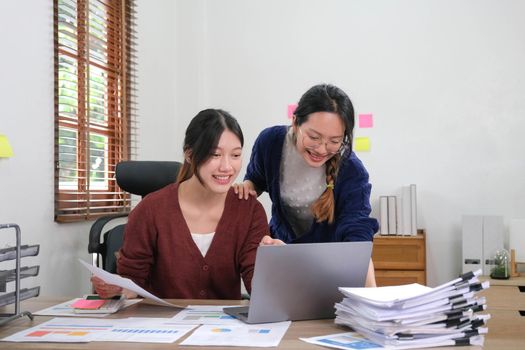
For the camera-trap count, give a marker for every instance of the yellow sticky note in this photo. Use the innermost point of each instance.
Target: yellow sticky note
(362, 144)
(5, 148)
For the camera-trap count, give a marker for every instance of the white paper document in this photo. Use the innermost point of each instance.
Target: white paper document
(64, 330)
(204, 314)
(348, 340)
(409, 294)
(125, 283)
(386, 296)
(66, 310)
(255, 335)
(145, 330)
(353, 340)
(81, 330)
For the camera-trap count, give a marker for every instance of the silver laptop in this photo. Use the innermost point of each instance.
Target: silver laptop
(301, 281)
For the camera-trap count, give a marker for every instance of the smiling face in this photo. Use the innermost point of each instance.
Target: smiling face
(220, 171)
(320, 137)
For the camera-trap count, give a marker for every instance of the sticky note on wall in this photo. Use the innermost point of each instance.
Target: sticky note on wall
(362, 144)
(366, 120)
(291, 110)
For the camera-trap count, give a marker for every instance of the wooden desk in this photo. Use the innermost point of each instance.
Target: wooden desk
(506, 329)
(505, 294)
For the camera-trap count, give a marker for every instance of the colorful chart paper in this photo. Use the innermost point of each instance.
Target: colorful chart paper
(260, 335)
(204, 314)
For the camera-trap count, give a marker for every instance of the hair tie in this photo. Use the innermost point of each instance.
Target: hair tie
(330, 185)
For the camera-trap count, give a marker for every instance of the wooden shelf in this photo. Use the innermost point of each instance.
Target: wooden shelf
(400, 259)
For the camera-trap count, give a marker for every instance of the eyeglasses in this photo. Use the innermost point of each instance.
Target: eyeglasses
(314, 141)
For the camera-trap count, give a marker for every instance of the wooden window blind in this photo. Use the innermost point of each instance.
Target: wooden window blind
(94, 105)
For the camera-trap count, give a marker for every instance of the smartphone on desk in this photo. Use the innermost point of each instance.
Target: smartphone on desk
(93, 304)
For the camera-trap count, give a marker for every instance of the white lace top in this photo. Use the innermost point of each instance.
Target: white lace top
(300, 186)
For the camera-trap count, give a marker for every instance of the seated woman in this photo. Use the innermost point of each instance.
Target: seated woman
(194, 239)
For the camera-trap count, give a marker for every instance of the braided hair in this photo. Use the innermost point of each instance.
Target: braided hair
(327, 98)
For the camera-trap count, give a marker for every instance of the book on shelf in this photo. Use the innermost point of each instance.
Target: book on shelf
(383, 215)
(392, 215)
(413, 210)
(407, 211)
(398, 213)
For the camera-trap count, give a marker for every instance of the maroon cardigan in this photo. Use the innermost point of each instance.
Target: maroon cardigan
(160, 255)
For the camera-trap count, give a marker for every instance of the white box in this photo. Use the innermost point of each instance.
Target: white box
(482, 237)
(472, 239)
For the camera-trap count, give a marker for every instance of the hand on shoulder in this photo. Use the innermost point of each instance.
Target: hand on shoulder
(245, 189)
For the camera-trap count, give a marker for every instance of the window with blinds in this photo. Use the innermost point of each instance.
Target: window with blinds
(94, 105)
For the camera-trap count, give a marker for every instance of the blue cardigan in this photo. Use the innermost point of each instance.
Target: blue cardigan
(351, 193)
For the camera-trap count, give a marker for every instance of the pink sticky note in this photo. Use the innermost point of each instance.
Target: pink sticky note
(88, 304)
(291, 110)
(366, 120)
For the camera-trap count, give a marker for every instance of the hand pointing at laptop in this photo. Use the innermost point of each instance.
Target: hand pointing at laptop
(267, 240)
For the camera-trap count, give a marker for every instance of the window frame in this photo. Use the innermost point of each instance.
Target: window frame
(86, 201)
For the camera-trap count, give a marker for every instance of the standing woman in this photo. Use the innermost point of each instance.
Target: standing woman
(318, 187)
(195, 239)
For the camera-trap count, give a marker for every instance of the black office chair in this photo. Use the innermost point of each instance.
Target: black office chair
(136, 177)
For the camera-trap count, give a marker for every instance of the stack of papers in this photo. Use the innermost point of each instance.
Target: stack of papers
(413, 315)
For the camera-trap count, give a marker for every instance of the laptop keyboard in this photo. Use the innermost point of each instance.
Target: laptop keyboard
(245, 314)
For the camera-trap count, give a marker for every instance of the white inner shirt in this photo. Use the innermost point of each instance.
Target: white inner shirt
(300, 185)
(203, 241)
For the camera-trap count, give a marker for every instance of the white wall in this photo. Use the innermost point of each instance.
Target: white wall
(444, 79)
(26, 96)
(157, 97)
(26, 180)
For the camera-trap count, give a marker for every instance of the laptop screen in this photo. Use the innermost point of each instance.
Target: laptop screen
(301, 281)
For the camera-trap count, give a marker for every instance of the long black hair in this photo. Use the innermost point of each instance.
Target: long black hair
(202, 137)
(327, 98)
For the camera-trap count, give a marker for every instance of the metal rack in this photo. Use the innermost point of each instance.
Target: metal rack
(16, 253)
